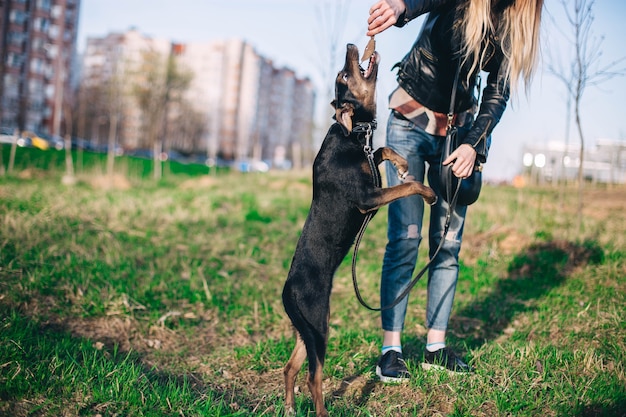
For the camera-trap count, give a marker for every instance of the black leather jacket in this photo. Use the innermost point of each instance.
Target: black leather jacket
(427, 72)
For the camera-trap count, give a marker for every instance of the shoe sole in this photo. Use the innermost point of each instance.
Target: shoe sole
(389, 379)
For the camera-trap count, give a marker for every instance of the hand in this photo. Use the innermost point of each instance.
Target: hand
(384, 14)
(463, 159)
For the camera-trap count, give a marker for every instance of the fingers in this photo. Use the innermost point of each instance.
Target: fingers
(382, 16)
(461, 171)
(462, 160)
(450, 159)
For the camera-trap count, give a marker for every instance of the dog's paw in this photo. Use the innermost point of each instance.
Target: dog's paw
(427, 193)
(406, 177)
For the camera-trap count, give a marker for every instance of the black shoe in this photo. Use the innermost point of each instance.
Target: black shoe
(445, 359)
(391, 368)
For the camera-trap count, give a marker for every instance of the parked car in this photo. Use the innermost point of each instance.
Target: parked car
(83, 144)
(140, 153)
(104, 148)
(24, 142)
(35, 140)
(54, 141)
(255, 165)
(7, 135)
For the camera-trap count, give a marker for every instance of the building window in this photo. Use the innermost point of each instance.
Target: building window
(43, 5)
(36, 66)
(11, 86)
(37, 44)
(18, 17)
(53, 33)
(14, 60)
(41, 24)
(16, 38)
(35, 87)
(52, 50)
(50, 91)
(57, 11)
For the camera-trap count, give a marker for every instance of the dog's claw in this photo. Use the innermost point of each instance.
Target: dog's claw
(406, 177)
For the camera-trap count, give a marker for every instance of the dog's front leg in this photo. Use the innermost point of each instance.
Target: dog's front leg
(378, 197)
(388, 154)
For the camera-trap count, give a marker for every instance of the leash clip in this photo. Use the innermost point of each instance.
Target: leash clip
(368, 129)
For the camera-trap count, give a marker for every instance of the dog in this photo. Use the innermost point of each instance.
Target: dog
(344, 192)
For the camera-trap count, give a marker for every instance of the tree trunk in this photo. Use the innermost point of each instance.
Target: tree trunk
(68, 178)
(581, 156)
(2, 170)
(13, 151)
(156, 151)
(111, 146)
(69, 164)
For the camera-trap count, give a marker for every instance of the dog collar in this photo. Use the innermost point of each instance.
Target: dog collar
(364, 127)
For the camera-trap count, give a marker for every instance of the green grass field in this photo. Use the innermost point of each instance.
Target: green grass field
(164, 300)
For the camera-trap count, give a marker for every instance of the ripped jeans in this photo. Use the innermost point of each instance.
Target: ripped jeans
(404, 232)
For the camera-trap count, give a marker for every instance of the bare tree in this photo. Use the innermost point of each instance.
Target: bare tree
(68, 178)
(331, 16)
(186, 127)
(162, 83)
(586, 69)
(115, 104)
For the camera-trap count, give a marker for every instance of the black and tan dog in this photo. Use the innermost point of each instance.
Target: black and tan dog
(343, 192)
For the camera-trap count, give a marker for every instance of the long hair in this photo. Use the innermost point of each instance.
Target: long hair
(516, 23)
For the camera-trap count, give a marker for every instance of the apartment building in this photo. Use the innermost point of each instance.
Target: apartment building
(111, 71)
(249, 110)
(37, 55)
(253, 109)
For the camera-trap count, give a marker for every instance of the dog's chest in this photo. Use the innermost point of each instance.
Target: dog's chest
(341, 172)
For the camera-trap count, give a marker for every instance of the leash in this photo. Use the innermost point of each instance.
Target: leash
(369, 154)
(417, 277)
(367, 148)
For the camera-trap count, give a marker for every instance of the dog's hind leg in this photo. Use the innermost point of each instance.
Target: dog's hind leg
(316, 355)
(291, 372)
(315, 386)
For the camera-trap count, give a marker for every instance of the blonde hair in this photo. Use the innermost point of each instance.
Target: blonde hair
(517, 26)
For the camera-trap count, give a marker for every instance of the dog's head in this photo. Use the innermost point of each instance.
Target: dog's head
(355, 90)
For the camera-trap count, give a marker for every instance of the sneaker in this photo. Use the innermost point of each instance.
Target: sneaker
(391, 368)
(445, 359)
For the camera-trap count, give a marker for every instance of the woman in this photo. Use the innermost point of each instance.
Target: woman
(499, 37)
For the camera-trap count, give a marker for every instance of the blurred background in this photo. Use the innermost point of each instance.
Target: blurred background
(247, 84)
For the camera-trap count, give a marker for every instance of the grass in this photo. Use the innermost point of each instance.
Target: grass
(164, 300)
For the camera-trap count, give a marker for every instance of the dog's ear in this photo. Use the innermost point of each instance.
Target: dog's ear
(344, 116)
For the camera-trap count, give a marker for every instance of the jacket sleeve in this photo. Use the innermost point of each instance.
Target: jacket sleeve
(494, 99)
(416, 8)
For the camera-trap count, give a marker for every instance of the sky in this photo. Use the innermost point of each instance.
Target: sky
(297, 34)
